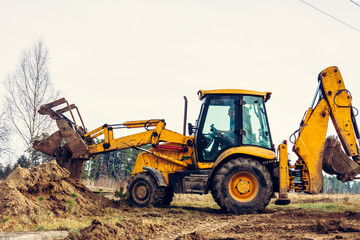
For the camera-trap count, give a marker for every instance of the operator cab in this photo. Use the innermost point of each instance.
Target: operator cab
(231, 118)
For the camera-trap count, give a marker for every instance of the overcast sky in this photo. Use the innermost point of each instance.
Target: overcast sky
(132, 60)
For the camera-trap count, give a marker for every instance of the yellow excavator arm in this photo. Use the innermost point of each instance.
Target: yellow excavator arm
(80, 145)
(315, 152)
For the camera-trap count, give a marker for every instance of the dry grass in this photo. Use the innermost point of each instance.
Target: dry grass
(194, 201)
(105, 185)
(327, 202)
(104, 182)
(325, 198)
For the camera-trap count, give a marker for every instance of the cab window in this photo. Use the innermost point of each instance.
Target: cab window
(218, 130)
(255, 126)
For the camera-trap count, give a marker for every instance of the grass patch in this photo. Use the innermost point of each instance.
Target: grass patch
(333, 207)
(324, 202)
(65, 224)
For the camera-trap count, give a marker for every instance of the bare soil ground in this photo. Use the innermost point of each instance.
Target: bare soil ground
(46, 194)
(208, 223)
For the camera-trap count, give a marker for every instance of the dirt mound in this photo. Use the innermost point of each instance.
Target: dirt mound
(191, 236)
(45, 190)
(352, 215)
(127, 229)
(327, 226)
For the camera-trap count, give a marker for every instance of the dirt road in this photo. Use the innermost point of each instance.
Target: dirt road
(182, 222)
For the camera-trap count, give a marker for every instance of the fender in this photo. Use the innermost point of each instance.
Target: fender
(257, 152)
(250, 151)
(160, 179)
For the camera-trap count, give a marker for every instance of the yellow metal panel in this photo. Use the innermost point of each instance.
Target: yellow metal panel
(248, 150)
(164, 166)
(251, 151)
(309, 144)
(123, 142)
(203, 93)
(340, 104)
(284, 171)
(205, 165)
(171, 136)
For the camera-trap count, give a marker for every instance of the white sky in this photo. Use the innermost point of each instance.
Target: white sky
(132, 60)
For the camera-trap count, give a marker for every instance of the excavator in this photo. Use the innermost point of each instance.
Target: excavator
(228, 152)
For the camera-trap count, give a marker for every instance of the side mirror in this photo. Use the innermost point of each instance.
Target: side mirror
(190, 128)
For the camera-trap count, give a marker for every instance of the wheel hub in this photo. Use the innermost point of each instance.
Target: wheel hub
(141, 192)
(243, 186)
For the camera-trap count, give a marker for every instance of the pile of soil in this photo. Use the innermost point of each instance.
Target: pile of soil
(45, 190)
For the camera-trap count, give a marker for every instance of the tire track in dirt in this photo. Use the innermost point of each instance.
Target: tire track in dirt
(210, 225)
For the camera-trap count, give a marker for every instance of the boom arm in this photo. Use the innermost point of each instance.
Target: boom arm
(334, 101)
(154, 137)
(80, 145)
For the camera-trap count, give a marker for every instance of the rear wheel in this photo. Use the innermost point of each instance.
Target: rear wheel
(242, 185)
(144, 191)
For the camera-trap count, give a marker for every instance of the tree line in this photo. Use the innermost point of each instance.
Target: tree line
(117, 165)
(333, 185)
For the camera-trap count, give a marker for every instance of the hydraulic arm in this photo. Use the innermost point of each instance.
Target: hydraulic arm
(80, 145)
(314, 152)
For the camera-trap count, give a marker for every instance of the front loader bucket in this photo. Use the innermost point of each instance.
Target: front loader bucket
(51, 145)
(67, 145)
(77, 146)
(69, 131)
(335, 161)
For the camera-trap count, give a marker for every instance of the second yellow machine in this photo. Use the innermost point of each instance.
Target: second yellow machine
(229, 151)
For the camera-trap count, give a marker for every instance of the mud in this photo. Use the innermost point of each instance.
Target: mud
(46, 190)
(127, 229)
(204, 224)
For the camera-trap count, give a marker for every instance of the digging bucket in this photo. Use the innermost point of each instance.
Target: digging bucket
(51, 145)
(335, 161)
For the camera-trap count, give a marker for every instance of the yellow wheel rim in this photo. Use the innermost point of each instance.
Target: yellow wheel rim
(243, 186)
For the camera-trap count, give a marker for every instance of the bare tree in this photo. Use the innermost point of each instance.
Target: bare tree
(28, 88)
(4, 135)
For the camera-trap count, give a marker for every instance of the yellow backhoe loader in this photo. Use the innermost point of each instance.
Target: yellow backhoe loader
(228, 152)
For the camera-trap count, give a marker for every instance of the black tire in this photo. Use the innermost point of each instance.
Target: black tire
(168, 196)
(242, 185)
(144, 191)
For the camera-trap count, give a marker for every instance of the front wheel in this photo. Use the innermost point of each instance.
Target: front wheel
(144, 191)
(242, 185)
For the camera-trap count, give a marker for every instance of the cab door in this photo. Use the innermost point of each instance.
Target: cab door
(218, 126)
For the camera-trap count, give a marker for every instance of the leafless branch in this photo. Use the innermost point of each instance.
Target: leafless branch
(28, 88)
